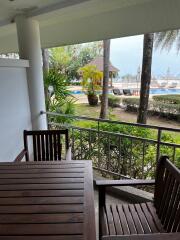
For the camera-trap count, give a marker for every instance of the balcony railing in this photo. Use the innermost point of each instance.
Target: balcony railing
(119, 149)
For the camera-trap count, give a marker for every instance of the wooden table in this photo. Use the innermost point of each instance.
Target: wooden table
(47, 201)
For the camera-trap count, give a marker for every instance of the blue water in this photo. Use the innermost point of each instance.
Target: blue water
(152, 91)
(165, 91)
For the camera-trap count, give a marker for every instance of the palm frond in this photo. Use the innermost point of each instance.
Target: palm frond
(166, 40)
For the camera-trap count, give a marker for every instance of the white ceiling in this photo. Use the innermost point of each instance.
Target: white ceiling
(75, 21)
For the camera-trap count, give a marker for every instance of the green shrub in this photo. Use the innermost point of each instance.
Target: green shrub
(160, 108)
(113, 101)
(132, 104)
(169, 99)
(113, 150)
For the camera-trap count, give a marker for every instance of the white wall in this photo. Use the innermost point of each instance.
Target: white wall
(14, 107)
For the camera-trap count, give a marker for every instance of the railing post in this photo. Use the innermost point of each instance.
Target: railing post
(158, 145)
(98, 147)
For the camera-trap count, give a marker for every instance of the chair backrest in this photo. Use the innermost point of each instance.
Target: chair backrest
(46, 144)
(167, 195)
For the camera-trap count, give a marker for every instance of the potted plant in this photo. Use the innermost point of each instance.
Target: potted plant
(91, 83)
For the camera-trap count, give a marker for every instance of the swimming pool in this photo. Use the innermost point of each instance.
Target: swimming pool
(152, 91)
(165, 91)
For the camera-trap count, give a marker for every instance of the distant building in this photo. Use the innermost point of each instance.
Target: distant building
(98, 62)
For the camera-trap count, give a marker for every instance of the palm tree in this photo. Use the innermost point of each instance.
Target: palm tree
(145, 78)
(104, 101)
(165, 40)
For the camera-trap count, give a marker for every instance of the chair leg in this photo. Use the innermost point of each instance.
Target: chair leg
(102, 201)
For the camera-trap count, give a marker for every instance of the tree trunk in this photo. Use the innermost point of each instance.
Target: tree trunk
(104, 101)
(45, 59)
(145, 78)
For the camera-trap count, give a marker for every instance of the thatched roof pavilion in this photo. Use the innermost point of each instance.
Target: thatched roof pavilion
(98, 62)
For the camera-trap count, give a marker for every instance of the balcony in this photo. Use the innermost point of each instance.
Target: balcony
(116, 154)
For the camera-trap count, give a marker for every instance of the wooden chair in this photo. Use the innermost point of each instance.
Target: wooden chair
(150, 221)
(46, 145)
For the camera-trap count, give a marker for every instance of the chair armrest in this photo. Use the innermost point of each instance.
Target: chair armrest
(20, 156)
(133, 182)
(69, 154)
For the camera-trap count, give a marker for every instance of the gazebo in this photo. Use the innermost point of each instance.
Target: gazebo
(98, 62)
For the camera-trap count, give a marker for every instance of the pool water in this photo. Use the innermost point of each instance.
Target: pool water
(165, 91)
(152, 91)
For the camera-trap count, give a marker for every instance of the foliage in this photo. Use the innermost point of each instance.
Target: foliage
(113, 101)
(91, 77)
(165, 40)
(170, 99)
(69, 59)
(60, 100)
(163, 106)
(132, 104)
(112, 149)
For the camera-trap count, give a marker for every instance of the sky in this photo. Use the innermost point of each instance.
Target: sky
(126, 54)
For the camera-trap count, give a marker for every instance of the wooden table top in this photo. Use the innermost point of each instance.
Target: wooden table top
(47, 201)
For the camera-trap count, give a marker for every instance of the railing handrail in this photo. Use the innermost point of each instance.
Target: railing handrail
(112, 121)
(120, 134)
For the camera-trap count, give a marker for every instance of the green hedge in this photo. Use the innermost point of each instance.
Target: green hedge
(113, 101)
(169, 99)
(132, 104)
(161, 107)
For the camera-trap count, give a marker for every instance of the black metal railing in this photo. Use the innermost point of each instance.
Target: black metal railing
(121, 149)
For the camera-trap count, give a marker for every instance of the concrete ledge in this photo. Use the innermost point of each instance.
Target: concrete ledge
(18, 63)
(126, 193)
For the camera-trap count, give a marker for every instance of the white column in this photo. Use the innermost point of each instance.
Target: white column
(30, 49)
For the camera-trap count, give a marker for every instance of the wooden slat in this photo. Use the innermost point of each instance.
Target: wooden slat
(39, 193)
(41, 175)
(170, 211)
(123, 220)
(42, 186)
(42, 209)
(40, 237)
(136, 219)
(45, 165)
(41, 218)
(164, 196)
(154, 236)
(40, 180)
(110, 221)
(51, 146)
(59, 147)
(149, 218)
(176, 220)
(63, 162)
(168, 198)
(55, 146)
(117, 222)
(38, 139)
(43, 147)
(104, 222)
(152, 210)
(129, 219)
(142, 218)
(174, 210)
(40, 229)
(47, 146)
(44, 170)
(35, 148)
(40, 200)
